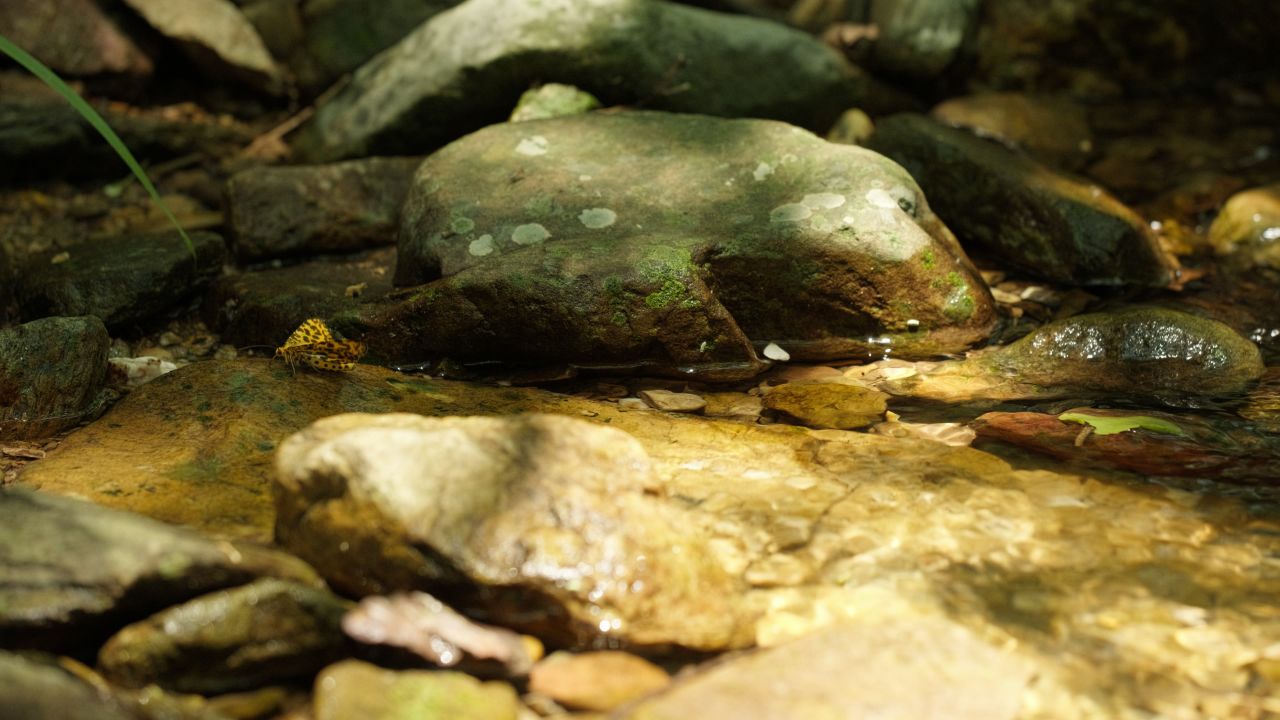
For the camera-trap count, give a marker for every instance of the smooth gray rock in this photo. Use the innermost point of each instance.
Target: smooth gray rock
(128, 281)
(308, 210)
(340, 35)
(827, 250)
(217, 38)
(920, 38)
(52, 374)
(262, 633)
(465, 67)
(70, 569)
(1039, 221)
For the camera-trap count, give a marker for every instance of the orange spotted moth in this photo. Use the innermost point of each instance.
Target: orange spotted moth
(314, 344)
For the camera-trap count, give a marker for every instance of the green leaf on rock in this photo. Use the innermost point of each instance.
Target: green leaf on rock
(1110, 425)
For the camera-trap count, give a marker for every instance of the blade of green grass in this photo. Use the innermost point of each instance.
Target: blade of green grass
(51, 79)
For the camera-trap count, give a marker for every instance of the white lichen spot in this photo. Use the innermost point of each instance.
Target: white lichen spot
(823, 201)
(584, 178)
(530, 234)
(821, 224)
(773, 352)
(763, 170)
(482, 245)
(881, 199)
(791, 212)
(536, 145)
(596, 218)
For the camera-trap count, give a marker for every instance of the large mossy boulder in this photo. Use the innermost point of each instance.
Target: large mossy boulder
(467, 66)
(570, 225)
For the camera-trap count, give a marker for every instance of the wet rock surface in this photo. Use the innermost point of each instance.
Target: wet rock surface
(1077, 522)
(1186, 446)
(52, 374)
(921, 669)
(820, 248)
(1247, 230)
(546, 513)
(674, 57)
(308, 210)
(811, 527)
(258, 634)
(126, 281)
(437, 633)
(1145, 354)
(71, 568)
(1041, 222)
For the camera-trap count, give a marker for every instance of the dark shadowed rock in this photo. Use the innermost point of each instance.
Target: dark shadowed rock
(546, 523)
(263, 307)
(827, 250)
(217, 38)
(278, 23)
(42, 137)
(74, 37)
(69, 569)
(265, 632)
(1041, 222)
(301, 210)
(52, 374)
(32, 689)
(642, 304)
(466, 67)
(127, 281)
